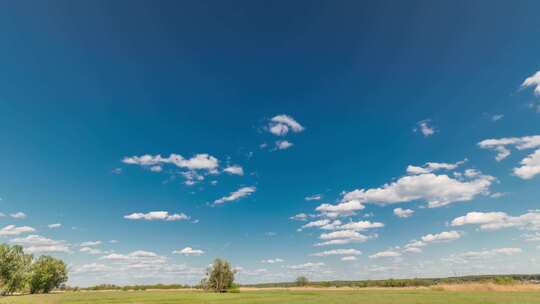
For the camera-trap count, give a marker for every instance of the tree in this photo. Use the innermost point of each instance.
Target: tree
(220, 276)
(14, 266)
(301, 281)
(47, 273)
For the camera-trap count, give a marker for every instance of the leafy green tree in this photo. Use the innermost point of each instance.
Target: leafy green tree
(220, 276)
(14, 266)
(47, 273)
(302, 281)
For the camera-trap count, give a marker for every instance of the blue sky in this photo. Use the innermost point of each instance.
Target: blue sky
(141, 139)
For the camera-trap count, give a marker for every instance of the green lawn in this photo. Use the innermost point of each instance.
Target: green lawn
(293, 297)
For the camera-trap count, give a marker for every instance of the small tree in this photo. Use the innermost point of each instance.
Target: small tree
(47, 273)
(14, 266)
(301, 281)
(220, 276)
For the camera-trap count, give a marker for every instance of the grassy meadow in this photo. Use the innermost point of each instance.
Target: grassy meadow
(380, 296)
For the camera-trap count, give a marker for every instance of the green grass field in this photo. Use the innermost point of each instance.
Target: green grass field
(292, 297)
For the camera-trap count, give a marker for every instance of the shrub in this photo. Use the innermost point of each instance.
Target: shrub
(14, 265)
(47, 273)
(301, 281)
(220, 276)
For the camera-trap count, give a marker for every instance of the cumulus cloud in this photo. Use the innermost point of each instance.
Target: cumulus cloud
(445, 236)
(299, 217)
(235, 170)
(280, 125)
(432, 167)
(272, 261)
(348, 258)
(198, 162)
(497, 117)
(425, 127)
(53, 226)
(90, 250)
(499, 220)
(490, 253)
(188, 251)
(436, 190)
(360, 225)
(314, 197)
(310, 266)
(39, 244)
(15, 230)
(385, 254)
(318, 223)
(90, 243)
(403, 213)
(530, 166)
(18, 215)
(348, 252)
(533, 81)
(502, 145)
(283, 144)
(236, 195)
(342, 209)
(157, 215)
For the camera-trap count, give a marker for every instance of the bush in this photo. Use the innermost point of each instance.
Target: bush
(302, 281)
(504, 281)
(14, 266)
(220, 277)
(47, 273)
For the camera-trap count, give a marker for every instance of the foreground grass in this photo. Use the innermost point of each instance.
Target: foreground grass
(289, 297)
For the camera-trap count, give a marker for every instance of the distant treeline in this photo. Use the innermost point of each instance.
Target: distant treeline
(417, 282)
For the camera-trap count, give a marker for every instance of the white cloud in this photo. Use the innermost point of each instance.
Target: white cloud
(348, 258)
(348, 252)
(90, 243)
(342, 234)
(14, 230)
(281, 124)
(39, 244)
(342, 209)
(188, 251)
(499, 220)
(198, 162)
(533, 81)
(437, 190)
(235, 170)
(272, 261)
(445, 236)
(314, 197)
(501, 145)
(310, 266)
(53, 226)
(361, 225)
(90, 250)
(490, 253)
(283, 144)
(432, 167)
(425, 127)
(299, 217)
(530, 166)
(156, 168)
(236, 195)
(497, 117)
(318, 223)
(157, 215)
(385, 254)
(403, 213)
(18, 215)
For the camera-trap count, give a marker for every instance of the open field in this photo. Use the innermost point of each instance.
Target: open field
(372, 296)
